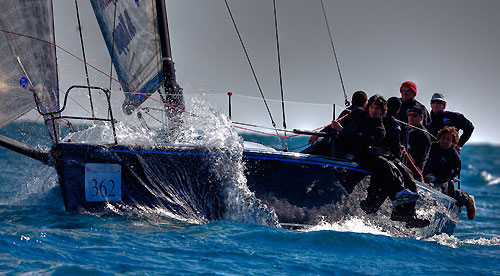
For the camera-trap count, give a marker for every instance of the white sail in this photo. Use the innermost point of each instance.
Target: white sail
(27, 59)
(130, 30)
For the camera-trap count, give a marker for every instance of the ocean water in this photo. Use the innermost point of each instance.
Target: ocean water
(37, 237)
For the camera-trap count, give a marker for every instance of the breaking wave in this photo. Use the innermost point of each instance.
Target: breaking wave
(213, 130)
(351, 224)
(208, 129)
(454, 242)
(489, 178)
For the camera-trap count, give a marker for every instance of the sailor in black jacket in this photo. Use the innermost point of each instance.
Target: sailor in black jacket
(419, 142)
(358, 99)
(443, 165)
(326, 145)
(441, 118)
(363, 137)
(392, 139)
(408, 93)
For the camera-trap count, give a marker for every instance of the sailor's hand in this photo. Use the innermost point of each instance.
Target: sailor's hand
(430, 178)
(312, 139)
(337, 126)
(458, 148)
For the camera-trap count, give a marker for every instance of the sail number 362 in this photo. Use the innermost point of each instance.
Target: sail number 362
(101, 188)
(102, 182)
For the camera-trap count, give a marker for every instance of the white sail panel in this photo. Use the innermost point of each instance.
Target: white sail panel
(27, 59)
(130, 30)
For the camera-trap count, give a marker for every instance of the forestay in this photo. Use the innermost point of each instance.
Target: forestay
(27, 59)
(130, 30)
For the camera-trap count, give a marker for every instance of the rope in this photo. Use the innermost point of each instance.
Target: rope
(84, 58)
(417, 128)
(284, 130)
(412, 163)
(272, 100)
(81, 106)
(279, 63)
(137, 92)
(270, 134)
(250, 64)
(97, 69)
(347, 103)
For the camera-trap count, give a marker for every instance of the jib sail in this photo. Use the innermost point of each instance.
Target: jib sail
(27, 59)
(131, 32)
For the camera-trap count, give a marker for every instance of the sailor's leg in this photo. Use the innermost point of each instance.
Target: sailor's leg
(460, 196)
(464, 199)
(392, 175)
(376, 195)
(382, 184)
(404, 210)
(409, 181)
(407, 209)
(352, 179)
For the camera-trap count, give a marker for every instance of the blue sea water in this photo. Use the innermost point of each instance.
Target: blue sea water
(37, 237)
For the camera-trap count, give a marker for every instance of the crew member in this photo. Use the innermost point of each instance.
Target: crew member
(358, 100)
(441, 118)
(408, 91)
(392, 138)
(326, 146)
(419, 142)
(361, 137)
(443, 165)
(404, 212)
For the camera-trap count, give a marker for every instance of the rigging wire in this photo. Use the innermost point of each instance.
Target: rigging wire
(279, 69)
(80, 105)
(347, 103)
(97, 69)
(251, 66)
(417, 128)
(84, 58)
(189, 113)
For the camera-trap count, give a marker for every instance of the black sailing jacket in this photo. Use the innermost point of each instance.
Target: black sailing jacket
(448, 118)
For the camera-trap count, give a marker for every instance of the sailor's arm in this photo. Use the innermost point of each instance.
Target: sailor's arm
(467, 128)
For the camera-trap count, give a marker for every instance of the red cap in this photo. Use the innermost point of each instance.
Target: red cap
(411, 85)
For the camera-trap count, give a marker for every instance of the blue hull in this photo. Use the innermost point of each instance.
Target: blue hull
(301, 189)
(150, 177)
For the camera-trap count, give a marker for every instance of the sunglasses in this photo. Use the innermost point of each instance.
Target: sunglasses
(412, 114)
(405, 90)
(437, 102)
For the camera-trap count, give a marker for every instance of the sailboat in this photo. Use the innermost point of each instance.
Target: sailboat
(301, 189)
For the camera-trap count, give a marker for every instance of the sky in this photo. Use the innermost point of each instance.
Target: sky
(446, 46)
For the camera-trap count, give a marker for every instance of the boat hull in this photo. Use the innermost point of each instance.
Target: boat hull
(301, 189)
(306, 190)
(176, 180)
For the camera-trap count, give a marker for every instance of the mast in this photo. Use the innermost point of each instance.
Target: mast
(173, 95)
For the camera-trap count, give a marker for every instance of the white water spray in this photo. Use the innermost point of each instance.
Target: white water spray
(209, 130)
(213, 130)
